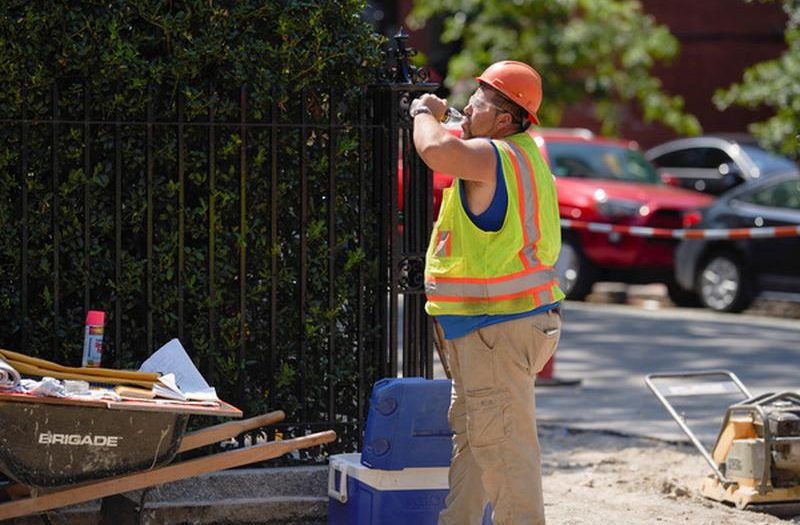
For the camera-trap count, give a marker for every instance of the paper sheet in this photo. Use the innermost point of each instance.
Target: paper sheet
(173, 359)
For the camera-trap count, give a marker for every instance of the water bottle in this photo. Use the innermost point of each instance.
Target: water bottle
(453, 118)
(93, 339)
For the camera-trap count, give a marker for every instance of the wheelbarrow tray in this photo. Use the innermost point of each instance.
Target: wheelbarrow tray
(52, 442)
(28, 499)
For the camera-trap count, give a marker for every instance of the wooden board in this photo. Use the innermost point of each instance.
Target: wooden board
(142, 405)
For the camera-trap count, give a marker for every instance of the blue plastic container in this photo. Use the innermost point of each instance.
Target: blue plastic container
(358, 495)
(407, 424)
(363, 496)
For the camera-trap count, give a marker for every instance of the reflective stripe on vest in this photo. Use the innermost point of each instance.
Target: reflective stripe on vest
(527, 205)
(443, 244)
(489, 289)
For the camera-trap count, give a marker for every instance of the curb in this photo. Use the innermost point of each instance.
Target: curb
(254, 496)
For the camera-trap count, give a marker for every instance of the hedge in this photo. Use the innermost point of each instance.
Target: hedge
(100, 209)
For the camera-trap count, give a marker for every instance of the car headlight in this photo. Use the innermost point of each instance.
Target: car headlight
(616, 208)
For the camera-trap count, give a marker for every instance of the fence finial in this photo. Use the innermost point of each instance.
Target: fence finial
(405, 73)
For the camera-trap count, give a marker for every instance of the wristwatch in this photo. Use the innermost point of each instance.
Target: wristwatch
(420, 109)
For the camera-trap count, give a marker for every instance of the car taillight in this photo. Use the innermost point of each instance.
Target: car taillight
(670, 180)
(691, 218)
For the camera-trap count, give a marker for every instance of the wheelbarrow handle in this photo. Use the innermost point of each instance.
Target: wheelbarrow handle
(223, 431)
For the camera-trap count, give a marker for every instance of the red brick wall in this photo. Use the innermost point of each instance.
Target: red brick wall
(719, 40)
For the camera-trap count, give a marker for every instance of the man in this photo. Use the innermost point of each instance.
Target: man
(491, 285)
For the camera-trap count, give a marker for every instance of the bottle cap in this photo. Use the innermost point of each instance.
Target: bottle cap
(95, 317)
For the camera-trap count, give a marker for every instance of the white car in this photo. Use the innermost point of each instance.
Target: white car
(715, 164)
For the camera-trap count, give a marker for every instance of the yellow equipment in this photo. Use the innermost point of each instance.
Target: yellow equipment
(756, 456)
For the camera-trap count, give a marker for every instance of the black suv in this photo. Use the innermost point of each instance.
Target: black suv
(727, 274)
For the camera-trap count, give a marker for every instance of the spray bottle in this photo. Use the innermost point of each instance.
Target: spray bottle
(93, 339)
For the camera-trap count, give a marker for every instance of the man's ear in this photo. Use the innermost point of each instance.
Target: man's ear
(505, 121)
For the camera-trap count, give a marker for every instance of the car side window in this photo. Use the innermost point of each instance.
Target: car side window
(684, 158)
(601, 161)
(785, 194)
(572, 166)
(715, 157)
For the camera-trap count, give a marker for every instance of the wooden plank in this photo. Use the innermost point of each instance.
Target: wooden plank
(14, 357)
(223, 409)
(217, 433)
(169, 473)
(16, 397)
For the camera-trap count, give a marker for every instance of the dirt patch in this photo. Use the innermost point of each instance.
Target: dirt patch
(780, 309)
(593, 478)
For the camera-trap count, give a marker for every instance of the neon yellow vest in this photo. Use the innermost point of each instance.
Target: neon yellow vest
(469, 271)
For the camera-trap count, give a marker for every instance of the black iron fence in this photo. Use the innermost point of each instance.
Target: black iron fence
(266, 234)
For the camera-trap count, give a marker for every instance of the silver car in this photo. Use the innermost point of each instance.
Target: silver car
(715, 164)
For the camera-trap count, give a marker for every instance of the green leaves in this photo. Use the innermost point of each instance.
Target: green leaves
(596, 50)
(775, 84)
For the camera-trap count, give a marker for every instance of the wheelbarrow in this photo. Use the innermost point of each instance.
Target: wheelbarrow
(64, 451)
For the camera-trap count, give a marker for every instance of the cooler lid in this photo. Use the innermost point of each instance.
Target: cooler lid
(415, 478)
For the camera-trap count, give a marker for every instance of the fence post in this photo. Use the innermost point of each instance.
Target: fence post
(406, 189)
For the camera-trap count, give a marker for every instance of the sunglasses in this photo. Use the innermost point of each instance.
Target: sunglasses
(480, 104)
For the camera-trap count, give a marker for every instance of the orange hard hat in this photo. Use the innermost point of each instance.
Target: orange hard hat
(519, 82)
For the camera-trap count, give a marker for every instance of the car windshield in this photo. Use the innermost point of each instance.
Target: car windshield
(599, 161)
(768, 162)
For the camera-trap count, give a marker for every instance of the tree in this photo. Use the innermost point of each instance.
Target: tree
(776, 84)
(602, 50)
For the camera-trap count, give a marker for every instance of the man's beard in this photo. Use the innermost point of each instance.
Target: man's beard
(466, 133)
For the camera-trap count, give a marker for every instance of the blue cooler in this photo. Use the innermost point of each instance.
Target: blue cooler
(407, 424)
(363, 496)
(359, 495)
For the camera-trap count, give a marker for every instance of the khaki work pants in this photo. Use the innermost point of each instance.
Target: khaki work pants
(496, 455)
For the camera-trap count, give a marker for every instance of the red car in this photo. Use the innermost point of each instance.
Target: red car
(609, 181)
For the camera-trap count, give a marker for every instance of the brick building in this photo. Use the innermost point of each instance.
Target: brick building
(719, 40)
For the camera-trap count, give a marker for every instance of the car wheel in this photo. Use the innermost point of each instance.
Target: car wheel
(721, 283)
(575, 272)
(682, 297)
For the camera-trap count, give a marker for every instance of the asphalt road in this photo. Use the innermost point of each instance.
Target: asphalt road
(610, 348)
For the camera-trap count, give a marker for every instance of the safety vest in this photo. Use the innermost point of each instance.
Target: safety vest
(469, 271)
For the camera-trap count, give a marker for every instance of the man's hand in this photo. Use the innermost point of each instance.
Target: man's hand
(471, 160)
(436, 105)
